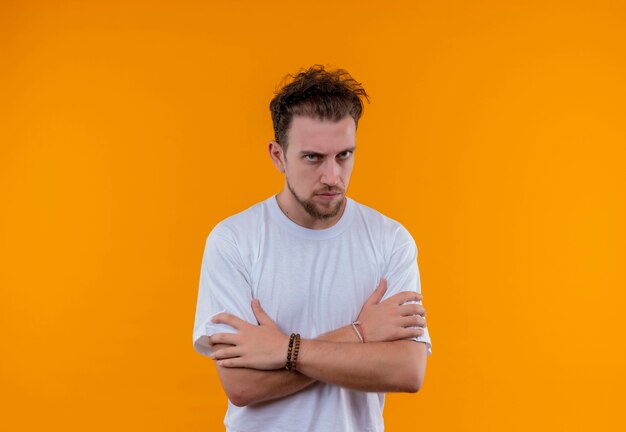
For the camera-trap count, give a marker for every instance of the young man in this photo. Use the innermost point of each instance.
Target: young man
(309, 302)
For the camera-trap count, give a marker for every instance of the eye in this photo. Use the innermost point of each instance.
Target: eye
(344, 155)
(311, 157)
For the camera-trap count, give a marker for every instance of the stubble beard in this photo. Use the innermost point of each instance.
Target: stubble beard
(313, 209)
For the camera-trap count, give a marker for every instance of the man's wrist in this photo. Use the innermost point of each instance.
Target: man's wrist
(343, 334)
(292, 351)
(358, 329)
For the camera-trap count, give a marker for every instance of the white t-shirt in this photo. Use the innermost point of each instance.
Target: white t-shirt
(309, 282)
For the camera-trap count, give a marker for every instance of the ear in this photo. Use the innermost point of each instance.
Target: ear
(277, 155)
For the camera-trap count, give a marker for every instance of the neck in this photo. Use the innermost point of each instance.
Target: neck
(290, 206)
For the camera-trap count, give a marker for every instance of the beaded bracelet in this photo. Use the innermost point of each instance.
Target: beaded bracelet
(292, 349)
(289, 349)
(296, 349)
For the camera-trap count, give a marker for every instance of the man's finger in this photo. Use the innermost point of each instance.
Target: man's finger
(236, 362)
(226, 353)
(228, 319)
(261, 317)
(378, 293)
(411, 332)
(223, 338)
(412, 309)
(405, 296)
(413, 321)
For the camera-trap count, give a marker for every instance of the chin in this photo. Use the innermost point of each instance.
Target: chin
(330, 210)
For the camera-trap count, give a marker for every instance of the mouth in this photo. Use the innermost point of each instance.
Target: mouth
(328, 196)
(330, 192)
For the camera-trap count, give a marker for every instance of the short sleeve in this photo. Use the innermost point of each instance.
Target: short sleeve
(224, 287)
(403, 273)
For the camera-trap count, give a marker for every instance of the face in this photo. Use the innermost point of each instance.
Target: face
(317, 167)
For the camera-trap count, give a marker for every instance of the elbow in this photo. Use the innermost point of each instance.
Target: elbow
(239, 397)
(415, 368)
(238, 400)
(413, 385)
(242, 396)
(413, 380)
(409, 382)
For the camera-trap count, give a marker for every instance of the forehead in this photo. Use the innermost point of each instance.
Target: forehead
(307, 133)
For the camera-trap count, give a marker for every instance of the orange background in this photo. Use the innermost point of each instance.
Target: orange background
(496, 135)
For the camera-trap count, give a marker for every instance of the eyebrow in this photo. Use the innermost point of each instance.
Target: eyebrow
(306, 152)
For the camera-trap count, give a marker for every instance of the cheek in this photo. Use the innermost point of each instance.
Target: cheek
(302, 175)
(347, 172)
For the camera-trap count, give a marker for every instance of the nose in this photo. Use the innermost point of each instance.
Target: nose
(330, 173)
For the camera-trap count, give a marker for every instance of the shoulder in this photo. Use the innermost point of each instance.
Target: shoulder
(240, 226)
(390, 232)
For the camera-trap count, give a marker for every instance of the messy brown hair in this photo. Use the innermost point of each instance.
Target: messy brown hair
(318, 93)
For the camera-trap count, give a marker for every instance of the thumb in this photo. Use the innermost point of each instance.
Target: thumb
(378, 293)
(261, 317)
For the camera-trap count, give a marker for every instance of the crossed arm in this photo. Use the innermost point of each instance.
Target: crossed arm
(250, 362)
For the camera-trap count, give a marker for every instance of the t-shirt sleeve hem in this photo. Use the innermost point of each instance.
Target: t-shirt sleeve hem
(202, 333)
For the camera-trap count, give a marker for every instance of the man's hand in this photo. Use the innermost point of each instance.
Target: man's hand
(391, 319)
(264, 346)
(261, 347)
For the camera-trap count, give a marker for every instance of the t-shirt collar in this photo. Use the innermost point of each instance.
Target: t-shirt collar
(313, 234)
